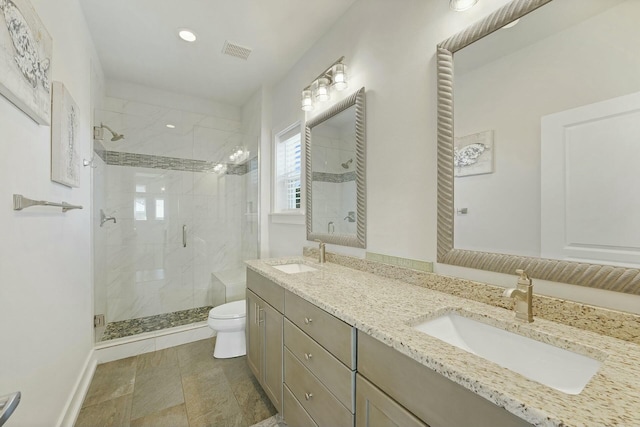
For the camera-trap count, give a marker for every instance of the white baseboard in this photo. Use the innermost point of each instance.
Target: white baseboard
(72, 408)
(127, 347)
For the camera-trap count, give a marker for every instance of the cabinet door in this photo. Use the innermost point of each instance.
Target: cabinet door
(376, 409)
(271, 321)
(253, 334)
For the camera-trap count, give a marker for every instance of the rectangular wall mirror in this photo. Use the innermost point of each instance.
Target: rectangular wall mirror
(335, 173)
(538, 136)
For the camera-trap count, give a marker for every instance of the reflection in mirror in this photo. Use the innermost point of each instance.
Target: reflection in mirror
(535, 172)
(335, 147)
(333, 182)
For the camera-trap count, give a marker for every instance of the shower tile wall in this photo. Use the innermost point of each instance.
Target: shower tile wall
(149, 271)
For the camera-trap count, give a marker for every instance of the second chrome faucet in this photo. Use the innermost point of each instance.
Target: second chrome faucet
(523, 296)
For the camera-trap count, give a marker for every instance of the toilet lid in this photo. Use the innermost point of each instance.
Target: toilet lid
(230, 310)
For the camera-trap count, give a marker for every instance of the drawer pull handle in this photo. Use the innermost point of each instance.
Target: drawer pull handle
(307, 320)
(308, 396)
(308, 356)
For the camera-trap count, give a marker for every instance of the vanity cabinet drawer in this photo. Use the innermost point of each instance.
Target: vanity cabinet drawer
(333, 374)
(329, 331)
(293, 411)
(272, 293)
(315, 398)
(430, 396)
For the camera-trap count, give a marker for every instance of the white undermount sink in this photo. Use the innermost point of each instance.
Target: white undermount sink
(294, 268)
(552, 366)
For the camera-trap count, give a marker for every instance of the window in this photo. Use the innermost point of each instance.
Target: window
(159, 209)
(140, 209)
(288, 166)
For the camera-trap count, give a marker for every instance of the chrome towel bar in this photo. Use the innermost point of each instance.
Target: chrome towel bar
(20, 202)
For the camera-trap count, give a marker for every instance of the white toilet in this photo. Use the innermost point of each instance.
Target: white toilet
(229, 321)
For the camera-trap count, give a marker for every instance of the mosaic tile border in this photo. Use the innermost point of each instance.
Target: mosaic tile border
(336, 178)
(127, 328)
(122, 158)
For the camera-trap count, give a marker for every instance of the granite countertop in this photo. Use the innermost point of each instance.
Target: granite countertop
(387, 309)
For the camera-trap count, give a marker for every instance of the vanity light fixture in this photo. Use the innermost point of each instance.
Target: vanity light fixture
(170, 126)
(461, 5)
(339, 72)
(307, 102)
(321, 89)
(334, 77)
(187, 35)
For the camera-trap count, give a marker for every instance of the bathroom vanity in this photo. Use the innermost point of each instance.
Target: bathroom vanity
(349, 355)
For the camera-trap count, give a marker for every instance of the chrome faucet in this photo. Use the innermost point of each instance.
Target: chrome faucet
(523, 295)
(322, 255)
(351, 216)
(104, 218)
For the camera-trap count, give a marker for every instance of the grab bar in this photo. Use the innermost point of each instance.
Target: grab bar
(20, 202)
(8, 404)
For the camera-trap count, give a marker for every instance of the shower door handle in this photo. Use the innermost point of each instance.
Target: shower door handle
(184, 236)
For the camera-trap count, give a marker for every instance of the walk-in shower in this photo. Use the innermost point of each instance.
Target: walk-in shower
(175, 227)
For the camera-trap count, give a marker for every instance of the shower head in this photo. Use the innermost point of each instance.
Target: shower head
(347, 163)
(97, 133)
(117, 137)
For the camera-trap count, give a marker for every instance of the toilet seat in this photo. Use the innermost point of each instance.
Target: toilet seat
(230, 310)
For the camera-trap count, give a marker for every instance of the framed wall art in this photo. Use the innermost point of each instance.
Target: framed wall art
(25, 60)
(65, 157)
(473, 154)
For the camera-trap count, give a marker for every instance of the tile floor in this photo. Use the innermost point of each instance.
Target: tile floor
(178, 386)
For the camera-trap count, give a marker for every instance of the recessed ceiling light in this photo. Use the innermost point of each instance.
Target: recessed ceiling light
(170, 126)
(187, 35)
(461, 5)
(512, 24)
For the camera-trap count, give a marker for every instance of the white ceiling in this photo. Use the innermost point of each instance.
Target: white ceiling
(137, 41)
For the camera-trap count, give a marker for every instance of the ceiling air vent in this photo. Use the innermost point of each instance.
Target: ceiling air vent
(235, 50)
